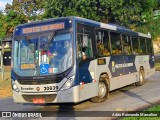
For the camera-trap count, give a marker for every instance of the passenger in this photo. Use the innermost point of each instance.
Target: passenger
(140, 51)
(127, 50)
(106, 51)
(116, 51)
(100, 48)
(84, 54)
(135, 51)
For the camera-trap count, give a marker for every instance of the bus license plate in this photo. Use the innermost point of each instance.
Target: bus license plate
(38, 100)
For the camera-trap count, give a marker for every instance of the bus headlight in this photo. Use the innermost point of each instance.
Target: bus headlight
(14, 86)
(68, 83)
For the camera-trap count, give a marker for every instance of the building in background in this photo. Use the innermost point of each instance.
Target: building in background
(6, 47)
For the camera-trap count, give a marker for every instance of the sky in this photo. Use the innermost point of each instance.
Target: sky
(3, 3)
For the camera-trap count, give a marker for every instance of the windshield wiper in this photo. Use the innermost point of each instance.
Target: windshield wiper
(29, 43)
(50, 41)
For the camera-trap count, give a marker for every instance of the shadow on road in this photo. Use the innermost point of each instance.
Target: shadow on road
(59, 110)
(134, 95)
(65, 110)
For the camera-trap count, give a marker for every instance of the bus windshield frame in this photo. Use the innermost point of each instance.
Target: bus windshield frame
(43, 53)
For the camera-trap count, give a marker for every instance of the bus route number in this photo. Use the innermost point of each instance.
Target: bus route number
(50, 88)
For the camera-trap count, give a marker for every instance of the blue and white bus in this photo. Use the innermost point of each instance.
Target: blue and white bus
(72, 59)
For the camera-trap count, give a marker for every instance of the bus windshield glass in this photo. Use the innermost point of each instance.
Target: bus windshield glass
(42, 54)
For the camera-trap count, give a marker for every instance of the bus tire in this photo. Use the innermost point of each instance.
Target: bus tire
(103, 92)
(141, 78)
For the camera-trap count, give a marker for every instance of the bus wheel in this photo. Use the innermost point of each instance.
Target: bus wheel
(141, 78)
(103, 92)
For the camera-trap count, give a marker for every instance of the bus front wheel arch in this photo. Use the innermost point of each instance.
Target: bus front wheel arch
(103, 90)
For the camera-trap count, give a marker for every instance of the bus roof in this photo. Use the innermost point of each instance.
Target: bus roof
(109, 26)
(113, 27)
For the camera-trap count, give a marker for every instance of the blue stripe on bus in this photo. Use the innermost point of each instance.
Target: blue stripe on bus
(117, 65)
(13, 77)
(87, 22)
(84, 73)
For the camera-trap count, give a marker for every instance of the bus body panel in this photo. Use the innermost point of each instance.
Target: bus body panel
(142, 61)
(87, 80)
(122, 69)
(88, 90)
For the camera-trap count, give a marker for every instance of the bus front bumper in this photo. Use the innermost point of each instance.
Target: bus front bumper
(46, 93)
(70, 95)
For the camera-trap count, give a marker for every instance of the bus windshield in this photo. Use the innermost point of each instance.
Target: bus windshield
(43, 54)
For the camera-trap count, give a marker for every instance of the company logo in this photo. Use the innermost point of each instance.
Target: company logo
(125, 65)
(22, 88)
(38, 89)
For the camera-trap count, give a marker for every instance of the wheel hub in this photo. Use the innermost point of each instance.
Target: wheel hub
(102, 90)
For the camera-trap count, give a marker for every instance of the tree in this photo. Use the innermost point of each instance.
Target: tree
(31, 8)
(123, 12)
(2, 26)
(9, 21)
(148, 6)
(99, 10)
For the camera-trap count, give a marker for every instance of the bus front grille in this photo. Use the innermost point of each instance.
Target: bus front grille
(38, 82)
(47, 98)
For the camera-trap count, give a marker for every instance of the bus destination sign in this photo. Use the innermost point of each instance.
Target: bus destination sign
(43, 28)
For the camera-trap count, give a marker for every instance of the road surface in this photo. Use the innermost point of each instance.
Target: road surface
(125, 99)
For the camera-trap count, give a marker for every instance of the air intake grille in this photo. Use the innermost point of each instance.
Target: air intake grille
(47, 98)
(38, 82)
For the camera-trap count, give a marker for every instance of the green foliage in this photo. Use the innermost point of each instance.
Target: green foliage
(153, 27)
(9, 21)
(148, 7)
(2, 25)
(128, 13)
(123, 12)
(28, 7)
(54, 8)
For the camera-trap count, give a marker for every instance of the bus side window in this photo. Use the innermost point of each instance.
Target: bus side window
(87, 46)
(126, 45)
(116, 43)
(135, 46)
(149, 46)
(84, 47)
(103, 46)
(142, 45)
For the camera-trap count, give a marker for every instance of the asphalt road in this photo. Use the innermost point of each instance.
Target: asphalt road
(125, 99)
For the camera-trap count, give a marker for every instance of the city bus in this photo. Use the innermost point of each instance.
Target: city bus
(72, 59)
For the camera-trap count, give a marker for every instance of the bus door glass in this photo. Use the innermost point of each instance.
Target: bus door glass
(84, 54)
(129, 57)
(85, 38)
